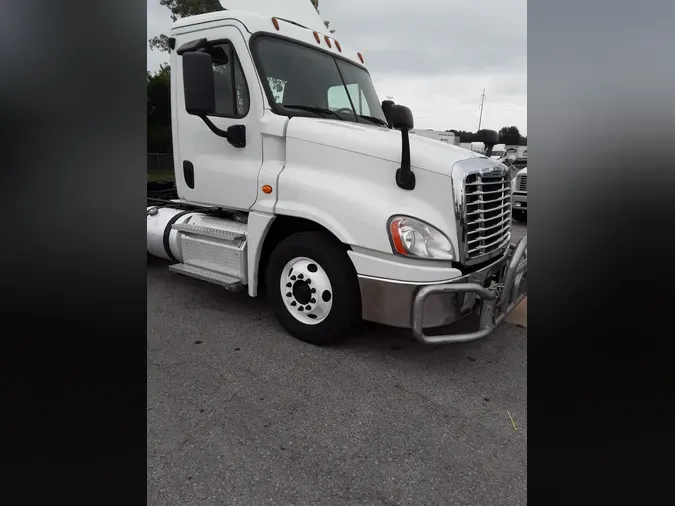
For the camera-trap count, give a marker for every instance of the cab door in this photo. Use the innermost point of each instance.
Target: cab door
(209, 169)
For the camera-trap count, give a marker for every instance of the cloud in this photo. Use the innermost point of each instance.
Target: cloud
(433, 36)
(435, 56)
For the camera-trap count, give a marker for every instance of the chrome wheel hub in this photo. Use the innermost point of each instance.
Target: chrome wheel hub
(306, 290)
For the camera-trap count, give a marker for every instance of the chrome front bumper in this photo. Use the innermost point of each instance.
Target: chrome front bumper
(495, 302)
(491, 292)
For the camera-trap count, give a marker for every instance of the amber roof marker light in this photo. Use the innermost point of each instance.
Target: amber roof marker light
(361, 58)
(275, 22)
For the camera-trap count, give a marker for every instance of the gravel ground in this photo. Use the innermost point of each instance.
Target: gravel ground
(241, 413)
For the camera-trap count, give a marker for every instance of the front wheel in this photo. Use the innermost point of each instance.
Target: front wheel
(314, 288)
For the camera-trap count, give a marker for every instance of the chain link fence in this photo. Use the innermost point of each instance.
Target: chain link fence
(160, 162)
(160, 167)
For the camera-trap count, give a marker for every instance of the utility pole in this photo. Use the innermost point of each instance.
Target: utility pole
(482, 101)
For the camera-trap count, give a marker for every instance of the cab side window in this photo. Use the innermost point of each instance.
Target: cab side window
(232, 94)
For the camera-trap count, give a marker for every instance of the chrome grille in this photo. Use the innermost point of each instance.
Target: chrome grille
(521, 183)
(487, 214)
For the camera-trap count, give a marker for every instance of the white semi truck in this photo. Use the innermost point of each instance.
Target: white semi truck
(293, 180)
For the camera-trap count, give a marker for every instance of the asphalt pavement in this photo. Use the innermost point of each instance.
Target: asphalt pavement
(241, 413)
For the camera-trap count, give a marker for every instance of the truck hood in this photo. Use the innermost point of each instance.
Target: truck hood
(378, 142)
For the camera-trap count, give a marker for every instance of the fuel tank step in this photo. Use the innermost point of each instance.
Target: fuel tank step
(217, 233)
(228, 282)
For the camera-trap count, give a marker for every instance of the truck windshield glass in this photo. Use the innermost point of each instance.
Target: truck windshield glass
(306, 82)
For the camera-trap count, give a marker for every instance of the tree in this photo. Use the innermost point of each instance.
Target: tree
(159, 110)
(509, 135)
(465, 136)
(185, 8)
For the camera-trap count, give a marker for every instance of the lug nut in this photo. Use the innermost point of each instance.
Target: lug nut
(288, 285)
(294, 303)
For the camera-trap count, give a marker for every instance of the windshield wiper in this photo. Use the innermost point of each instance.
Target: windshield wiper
(317, 110)
(373, 119)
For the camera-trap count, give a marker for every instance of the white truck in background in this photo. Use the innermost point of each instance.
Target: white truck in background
(293, 179)
(498, 152)
(478, 147)
(447, 137)
(519, 198)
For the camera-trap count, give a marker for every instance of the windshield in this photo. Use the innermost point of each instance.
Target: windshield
(301, 81)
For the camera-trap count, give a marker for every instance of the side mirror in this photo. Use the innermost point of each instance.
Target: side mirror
(387, 105)
(402, 118)
(200, 94)
(490, 138)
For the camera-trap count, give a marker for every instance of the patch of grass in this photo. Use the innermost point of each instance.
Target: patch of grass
(161, 175)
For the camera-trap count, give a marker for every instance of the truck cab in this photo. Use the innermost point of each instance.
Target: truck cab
(294, 180)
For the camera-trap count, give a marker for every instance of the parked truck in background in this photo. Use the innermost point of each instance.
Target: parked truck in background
(294, 180)
(498, 152)
(447, 137)
(519, 199)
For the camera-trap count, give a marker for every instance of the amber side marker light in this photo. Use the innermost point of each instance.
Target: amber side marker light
(275, 22)
(267, 189)
(396, 237)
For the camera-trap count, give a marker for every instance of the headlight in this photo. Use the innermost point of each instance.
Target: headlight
(414, 238)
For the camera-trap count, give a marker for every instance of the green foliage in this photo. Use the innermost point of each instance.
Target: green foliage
(509, 135)
(183, 9)
(159, 111)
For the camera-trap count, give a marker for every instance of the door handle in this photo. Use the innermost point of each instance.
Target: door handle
(189, 174)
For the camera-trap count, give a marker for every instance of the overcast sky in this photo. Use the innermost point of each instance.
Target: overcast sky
(435, 56)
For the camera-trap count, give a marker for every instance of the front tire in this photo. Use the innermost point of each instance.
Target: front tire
(313, 288)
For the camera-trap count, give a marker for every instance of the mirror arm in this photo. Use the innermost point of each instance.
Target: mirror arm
(235, 135)
(405, 179)
(213, 128)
